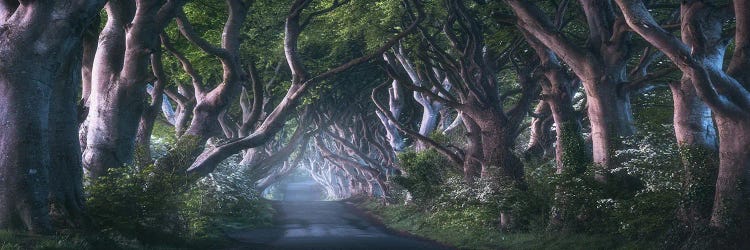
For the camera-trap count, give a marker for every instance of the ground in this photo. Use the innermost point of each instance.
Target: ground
(304, 223)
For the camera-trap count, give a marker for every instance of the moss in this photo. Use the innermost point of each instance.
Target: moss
(572, 184)
(574, 157)
(698, 183)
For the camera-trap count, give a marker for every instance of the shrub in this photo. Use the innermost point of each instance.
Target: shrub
(156, 205)
(129, 202)
(424, 172)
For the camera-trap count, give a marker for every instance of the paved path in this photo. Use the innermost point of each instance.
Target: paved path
(304, 224)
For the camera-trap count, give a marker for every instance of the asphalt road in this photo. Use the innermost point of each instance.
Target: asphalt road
(309, 224)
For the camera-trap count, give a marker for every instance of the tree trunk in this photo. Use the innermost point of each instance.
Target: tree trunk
(430, 118)
(539, 133)
(499, 164)
(473, 153)
(731, 209)
(697, 141)
(38, 41)
(611, 119)
(119, 80)
(116, 100)
(24, 151)
(571, 157)
(66, 171)
(395, 105)
(693, 124)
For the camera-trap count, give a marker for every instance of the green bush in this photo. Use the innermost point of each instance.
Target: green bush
(128, 201)
(424, 173)
(224, 199)
(155, 205)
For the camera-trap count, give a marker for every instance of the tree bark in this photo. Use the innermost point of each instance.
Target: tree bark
(66, 172)
(39, 38)
(601, 68)
(473, 157)
(540, 142)
(25, 156)
(150, 112)
(119, 80)
(395, 105)
(697, 140)
(731, 206)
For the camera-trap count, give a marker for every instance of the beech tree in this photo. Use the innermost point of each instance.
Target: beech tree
(119, 78)
(301, 82)
(41, 46)
(601, 67)
(724, 91)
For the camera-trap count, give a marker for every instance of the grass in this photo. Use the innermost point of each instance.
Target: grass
(213, 237)
(12, 241)
(461, 232)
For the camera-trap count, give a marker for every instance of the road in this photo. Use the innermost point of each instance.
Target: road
(309, 224)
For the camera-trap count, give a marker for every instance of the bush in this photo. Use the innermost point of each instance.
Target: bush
(224, 199)
(129, 202)
(155, 206)
(424, 172)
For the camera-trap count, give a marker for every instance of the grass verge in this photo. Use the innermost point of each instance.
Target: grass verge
(459, 231)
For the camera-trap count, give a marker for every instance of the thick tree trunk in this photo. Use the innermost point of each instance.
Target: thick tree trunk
(38, 41)
(66, 171)
(499, 163)
(611, 119)
(24, 151)
(693, 124)
(119, 81)
(473, 153)
(697, 141)
(571, 157)
(731, 209)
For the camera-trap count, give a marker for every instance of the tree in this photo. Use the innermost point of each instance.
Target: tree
(119, 79)
(41, 43)
(725, 92)
(601, 67)
(301, 82)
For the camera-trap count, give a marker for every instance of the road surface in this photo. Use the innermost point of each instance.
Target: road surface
(309, 224)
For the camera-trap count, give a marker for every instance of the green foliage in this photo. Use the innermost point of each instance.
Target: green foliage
(159, 204)
(130, 202)
(699, 181)
(467, 228)
(63, 240)
(424, 173)
(224, 199)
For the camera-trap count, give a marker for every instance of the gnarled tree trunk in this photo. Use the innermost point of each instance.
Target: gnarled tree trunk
(119, 80)
(37, 77)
